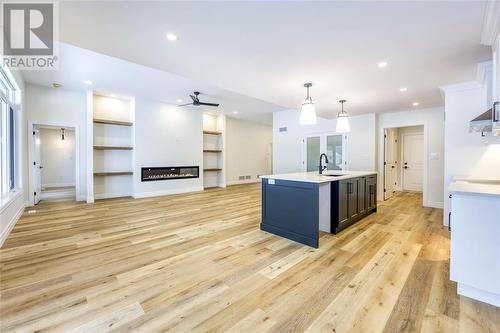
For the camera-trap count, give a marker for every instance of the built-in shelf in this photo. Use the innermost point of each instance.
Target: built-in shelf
(112, 122)
(116, 173)
(212, 169)
(112, 148)
(212, 132)
(212, 151)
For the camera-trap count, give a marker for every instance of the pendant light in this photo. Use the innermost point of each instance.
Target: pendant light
(343, 120)
(62, 133)
(308, 111)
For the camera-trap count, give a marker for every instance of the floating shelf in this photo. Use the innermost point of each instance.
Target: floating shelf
(112, 122)
(112, 148)
(212, 132)
(212, 169)
(116, 173)
(212, 151)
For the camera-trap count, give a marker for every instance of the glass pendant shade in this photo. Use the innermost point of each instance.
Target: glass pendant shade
(308, 113)
(343, 120)
(343, 124)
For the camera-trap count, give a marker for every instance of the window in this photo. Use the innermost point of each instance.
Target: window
(7, 133)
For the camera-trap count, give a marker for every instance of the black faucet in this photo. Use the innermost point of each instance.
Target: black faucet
(321, 167)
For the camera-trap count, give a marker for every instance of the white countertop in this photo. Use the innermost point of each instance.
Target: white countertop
(475, 186)
(315, 177)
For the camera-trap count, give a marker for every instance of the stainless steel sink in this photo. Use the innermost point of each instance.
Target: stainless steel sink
(333, 175)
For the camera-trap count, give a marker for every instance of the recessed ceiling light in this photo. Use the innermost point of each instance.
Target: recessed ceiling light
(179, 100)
(235, 112)
(172, 37)
(416, 104)
(87, 82)
(404, 89)
(382, 64)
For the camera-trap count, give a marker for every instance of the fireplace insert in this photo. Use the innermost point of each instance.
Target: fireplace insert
(165, 173)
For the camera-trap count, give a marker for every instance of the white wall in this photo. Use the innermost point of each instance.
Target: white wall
(57, 157)
(166, 135)
(467, 153)
(433, 121)
(247, 150)
(58, 107)
(287, 146)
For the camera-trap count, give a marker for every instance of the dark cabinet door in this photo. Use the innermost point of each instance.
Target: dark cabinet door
(343, 201)
(353, 197)
(371, 184)
(362, 197)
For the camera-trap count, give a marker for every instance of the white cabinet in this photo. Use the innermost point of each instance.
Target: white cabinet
(475, 245)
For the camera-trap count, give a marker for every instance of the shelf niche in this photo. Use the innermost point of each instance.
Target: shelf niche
(113, 144)
(213, 150)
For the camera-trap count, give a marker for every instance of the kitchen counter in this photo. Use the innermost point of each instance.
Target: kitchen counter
(315, 177)
(299, 205)
(475, 185)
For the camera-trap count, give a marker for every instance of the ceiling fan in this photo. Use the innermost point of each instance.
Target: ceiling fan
(196, 101)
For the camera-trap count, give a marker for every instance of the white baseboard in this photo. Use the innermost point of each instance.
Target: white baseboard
(138, 195)
(239, 182)
(478, 294)
(58, 184)
(98, 196)
(10, 225)
(57, 195)
(434, 204)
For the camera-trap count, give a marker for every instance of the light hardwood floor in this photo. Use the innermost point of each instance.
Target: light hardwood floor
(198, 262)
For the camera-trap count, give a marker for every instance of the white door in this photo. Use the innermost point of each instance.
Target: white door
(37, 167)
(413, 162)
(390, 162)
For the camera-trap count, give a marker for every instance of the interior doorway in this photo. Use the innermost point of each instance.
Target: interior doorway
(334, 145)
(403, 160)
(53, 163)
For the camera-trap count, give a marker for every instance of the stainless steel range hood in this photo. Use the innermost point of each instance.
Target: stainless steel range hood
(482, 123)
(487, 121)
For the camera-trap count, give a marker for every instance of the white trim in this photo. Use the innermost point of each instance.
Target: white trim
(460, 86)
(10, 225)
(425, 187)
(31, 153)
(241, 182)
(58, 184)
(8, 198)
(435, 204)
(491, 24)
(482, 70)
(478, 294)
(57, 195)
(166, 192)
(90, 146)
(98, 196)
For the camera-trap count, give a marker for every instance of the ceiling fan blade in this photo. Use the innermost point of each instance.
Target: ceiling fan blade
(208, 104)
(186, 104)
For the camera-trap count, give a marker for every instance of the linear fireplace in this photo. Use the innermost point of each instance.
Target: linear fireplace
(164, 173)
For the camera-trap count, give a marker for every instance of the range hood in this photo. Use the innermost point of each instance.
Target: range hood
(487, 122)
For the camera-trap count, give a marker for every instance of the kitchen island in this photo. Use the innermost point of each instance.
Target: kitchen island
(298, 206)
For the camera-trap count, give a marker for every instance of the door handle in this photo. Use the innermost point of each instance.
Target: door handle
(40, 167)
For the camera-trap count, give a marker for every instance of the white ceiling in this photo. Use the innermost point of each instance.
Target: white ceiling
(267, 50)
(122, 78)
